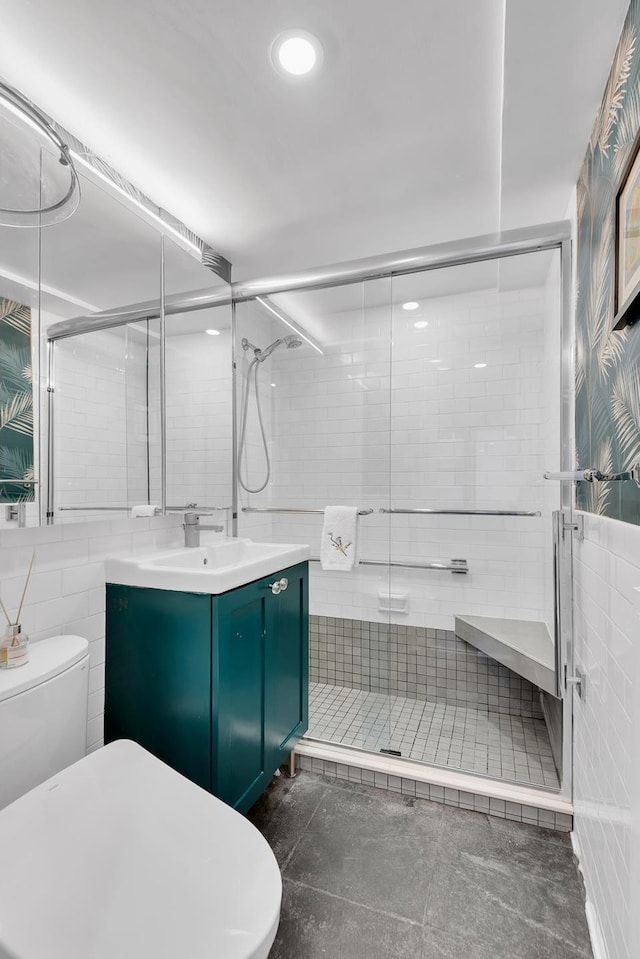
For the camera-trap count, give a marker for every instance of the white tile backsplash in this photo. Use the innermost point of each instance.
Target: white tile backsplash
(607, 728)
(66, 593)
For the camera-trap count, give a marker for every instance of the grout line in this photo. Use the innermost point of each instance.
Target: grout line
(528, 921)
(303, 833)
(353, 902)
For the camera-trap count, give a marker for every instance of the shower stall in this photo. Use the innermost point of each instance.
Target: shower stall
(431, 391)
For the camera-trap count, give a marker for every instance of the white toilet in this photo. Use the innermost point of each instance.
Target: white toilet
(43, 714)
(118, 856)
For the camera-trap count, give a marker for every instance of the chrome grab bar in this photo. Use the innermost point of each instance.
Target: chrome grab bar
(459, 566)
(18, 482)
(197, 508)
(466, 512)
(274, 509)
(593, 475)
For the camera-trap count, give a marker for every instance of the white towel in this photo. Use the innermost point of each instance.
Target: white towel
(144, 510)
(339, 544)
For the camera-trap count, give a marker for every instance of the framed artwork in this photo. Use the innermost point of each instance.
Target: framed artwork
(627, 240)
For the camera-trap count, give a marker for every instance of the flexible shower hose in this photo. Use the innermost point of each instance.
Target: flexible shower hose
(242, 452)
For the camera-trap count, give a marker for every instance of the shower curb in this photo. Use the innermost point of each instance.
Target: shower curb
(526, 804)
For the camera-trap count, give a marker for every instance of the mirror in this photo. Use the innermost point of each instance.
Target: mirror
(108, 424)
(124, 423)
(198, 376)
(20, 452)
(105, 404)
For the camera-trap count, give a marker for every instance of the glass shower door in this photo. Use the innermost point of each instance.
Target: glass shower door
(324, 420)
(475, 387)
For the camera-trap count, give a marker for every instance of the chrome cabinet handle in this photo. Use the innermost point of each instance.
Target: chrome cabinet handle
(279, 586)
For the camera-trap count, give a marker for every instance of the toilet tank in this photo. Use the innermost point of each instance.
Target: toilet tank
(43, 714)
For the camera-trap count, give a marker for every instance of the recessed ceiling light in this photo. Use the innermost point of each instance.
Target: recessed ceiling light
(411, 305)
(479, 366)
(421, 324)
(213, 332)
(296, 53)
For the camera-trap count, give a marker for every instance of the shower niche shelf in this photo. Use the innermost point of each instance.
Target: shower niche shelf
(524, 646)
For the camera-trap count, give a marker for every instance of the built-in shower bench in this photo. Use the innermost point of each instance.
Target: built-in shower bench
(522, 645)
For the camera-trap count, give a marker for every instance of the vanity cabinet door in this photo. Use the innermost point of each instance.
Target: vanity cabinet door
(158, 676)
(260, 683)
(240, 772)
(286, 666)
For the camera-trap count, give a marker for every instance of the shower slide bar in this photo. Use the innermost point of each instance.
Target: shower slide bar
(455, 566)
(274, 509)
(466, 512)
(596, 476)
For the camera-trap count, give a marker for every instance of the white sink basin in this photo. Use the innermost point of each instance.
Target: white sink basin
(224, 565)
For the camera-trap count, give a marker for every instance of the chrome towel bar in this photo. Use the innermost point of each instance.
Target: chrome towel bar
(592, 475)
(436, 512)
(466, 512)
(278, 509)
(455, 566)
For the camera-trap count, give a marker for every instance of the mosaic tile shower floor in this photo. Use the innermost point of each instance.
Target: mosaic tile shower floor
(464, 738)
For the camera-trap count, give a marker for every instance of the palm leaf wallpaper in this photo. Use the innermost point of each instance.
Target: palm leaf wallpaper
(607, 363)
(16, 402)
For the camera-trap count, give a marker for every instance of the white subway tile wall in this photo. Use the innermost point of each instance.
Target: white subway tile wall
(67, 589)
(607, 727)
(417, 423)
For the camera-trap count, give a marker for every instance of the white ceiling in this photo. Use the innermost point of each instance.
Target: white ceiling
(401, 140)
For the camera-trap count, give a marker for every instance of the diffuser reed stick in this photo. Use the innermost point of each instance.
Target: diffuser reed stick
(6, 614)
(26, 583)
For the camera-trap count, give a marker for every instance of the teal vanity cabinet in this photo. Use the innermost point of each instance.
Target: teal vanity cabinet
(214, 685)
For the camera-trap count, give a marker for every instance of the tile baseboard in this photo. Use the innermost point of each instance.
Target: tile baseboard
(536, 807)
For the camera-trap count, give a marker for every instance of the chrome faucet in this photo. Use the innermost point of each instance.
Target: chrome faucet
(192, 527)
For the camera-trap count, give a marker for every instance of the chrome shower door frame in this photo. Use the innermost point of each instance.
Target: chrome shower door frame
(544, 237)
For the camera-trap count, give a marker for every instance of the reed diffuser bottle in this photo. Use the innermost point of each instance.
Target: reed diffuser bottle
(14, 648)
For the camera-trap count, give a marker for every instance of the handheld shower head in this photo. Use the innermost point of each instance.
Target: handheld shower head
(252, 376)
(291, 342)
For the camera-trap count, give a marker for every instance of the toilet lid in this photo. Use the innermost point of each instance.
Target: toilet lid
(120, 857)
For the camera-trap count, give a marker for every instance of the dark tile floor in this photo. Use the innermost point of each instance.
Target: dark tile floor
(369, 874)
